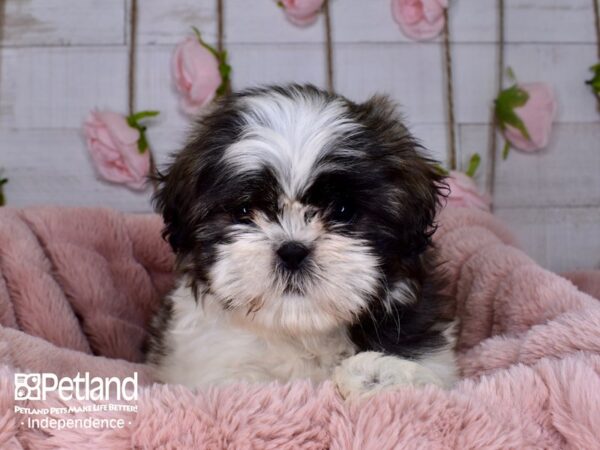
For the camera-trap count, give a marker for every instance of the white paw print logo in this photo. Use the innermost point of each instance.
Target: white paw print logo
(27, 386)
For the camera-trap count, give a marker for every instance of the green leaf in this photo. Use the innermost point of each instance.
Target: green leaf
(595, 81)
(133, 122)
(204, 44)
(224, 67)
(505, 105)
(197, 33)
(225, 71)
(441, 170)
(505, 150)
(474, 163)
(142, 115)
(142, 142)
(511, 74)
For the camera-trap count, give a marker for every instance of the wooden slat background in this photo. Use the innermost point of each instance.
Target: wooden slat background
(61, 58)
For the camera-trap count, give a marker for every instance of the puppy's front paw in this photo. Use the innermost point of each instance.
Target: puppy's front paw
(367, 373)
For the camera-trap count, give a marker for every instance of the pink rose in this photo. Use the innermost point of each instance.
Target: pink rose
(420, 19)
(537, 115)
(196, 74)
(302, 12)
(113, 145)
(464, 192)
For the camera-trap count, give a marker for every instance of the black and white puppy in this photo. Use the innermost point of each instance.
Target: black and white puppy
(302, 224)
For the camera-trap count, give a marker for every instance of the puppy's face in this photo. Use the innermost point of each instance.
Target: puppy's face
(299, 210)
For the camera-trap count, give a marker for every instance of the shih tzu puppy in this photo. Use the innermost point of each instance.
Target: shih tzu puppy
(302, 225)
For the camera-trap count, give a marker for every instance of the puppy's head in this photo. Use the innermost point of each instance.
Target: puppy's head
(297, 209)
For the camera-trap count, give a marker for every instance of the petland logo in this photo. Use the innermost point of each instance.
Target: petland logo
(36, 386)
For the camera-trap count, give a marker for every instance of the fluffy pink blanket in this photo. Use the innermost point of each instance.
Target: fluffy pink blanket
(77, 288)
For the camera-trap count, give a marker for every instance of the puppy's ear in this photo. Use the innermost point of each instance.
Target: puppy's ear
(190, 187)
(422, 182)
(170, 200)
(417, 181)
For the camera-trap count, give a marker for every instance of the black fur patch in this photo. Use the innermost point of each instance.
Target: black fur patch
(154, 345)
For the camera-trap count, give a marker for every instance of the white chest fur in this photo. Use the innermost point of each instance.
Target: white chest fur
(205, 346)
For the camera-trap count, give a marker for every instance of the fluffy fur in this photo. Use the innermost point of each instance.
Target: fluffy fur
(301, 222)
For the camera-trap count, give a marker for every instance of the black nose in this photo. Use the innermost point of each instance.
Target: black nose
(292, 254)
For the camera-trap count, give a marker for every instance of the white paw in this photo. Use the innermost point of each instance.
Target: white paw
(367, 373)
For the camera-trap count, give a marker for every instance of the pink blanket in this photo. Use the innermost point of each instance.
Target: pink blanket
(77, 288)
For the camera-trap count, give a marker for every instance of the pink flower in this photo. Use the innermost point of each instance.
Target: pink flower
(113, 145)
(537, 114)
(464, 192)
(196, 74)
(302, 12)
(420, 19)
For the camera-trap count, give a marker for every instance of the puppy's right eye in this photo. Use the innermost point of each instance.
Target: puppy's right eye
(243, 214)
(343, 213)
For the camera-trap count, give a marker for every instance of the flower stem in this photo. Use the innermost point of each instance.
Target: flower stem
(505, 150)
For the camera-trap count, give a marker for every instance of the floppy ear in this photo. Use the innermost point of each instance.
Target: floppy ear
(423, 183)
(417, 180)
(172, 200)
(187, 189)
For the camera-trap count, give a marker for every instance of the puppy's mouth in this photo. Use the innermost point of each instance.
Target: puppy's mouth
(296, 281)
(293, 289)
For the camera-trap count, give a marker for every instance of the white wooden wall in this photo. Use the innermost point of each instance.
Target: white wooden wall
(60, 58)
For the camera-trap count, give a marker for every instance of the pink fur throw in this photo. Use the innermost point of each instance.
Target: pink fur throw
(78, 286)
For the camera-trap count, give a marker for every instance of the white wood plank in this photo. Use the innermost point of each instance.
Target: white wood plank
(52, 167)
(410, 74)
(260, 22)
(63, 22)
(564, 174)
(559, 239)
(413, 75)
(565, 67)
(252, 65)
(556, 21)
(57, 87)
(168, 22)
(268, 64)
(154, 86)
(273, 64)
(526, 21)
(362, 22)
(433, 138)
(265, 22)
(166, 142)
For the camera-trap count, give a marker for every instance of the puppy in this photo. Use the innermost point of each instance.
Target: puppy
(302, 226)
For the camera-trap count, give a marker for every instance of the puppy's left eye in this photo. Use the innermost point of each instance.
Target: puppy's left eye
(343, 212)
(243, 214)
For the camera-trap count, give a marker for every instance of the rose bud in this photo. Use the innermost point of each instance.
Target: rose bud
(525, 113)
(196, 74)
(301, 12)
(113, 146)
(420, 19)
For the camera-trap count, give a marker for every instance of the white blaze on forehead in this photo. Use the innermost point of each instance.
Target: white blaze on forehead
(288, 134)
